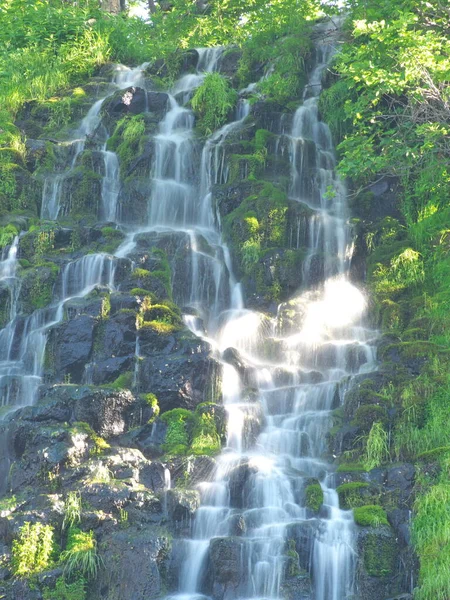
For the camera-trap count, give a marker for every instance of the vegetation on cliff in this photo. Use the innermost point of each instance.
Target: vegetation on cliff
(388, 106)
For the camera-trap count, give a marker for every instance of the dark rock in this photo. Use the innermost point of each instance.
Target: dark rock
(178, 371)
(73, 343)
(229, 61)
(109, 412)
(239, 479)
(297, 588)
(182, 504)
(153, 476)
(226, 557)
(132, 101)
(135, 562)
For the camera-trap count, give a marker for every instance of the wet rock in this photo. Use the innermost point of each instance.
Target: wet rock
(135, 563)
(182, 504)
(229, 61)
(239, 479)
(73, 343)
(129, 101)
(234, 358)
(378, 563)
(226, 555)
(237, 525)
(190, 470)
(157, 101)
(297, 588)
(126, 463)
(178, 369)
(109, 412)
(152, 475)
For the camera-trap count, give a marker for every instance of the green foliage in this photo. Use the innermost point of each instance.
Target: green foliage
(431, 537)
(66, 591)
(205, 439)
(371, 515)
(191, 432)
(33, 549)
(179, 422)
(72, 510)
(7, 235)
(377, 447)
(213, 101)
(80, 557)
(152, 402)
(314, 496)
(128, 140)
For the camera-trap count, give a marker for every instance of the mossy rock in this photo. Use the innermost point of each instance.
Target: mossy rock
(371, 515)
(37, 287)
(353, 494)
(81, 194)
(368, 414)
(314, 496)
(379, 552)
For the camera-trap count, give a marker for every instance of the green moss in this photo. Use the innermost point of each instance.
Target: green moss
(179, 423)
(371, 515)
(352, 494)
(141, 292)
(380, 555)
(160, 327)
(37, 287)
(163, 314)
(366, 415)
(124, 381)
(314, 496)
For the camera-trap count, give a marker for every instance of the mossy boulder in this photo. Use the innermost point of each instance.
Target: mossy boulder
(314, 496)
(36, 287)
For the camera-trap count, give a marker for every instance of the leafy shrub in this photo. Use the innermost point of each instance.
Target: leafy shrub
(213, 101)
(33, 549)
(66, 591)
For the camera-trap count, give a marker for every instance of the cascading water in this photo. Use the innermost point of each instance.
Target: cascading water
(298, 389)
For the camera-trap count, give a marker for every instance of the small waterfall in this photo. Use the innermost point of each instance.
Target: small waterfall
(79, 277)
(110, 185)
(53, 184)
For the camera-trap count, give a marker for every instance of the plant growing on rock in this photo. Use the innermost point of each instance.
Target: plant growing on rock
(81, 557)
(72, 510)
(33, 549)
(212, 102)
(377, 447)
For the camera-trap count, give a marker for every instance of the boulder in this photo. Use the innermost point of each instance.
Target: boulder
(134, 563)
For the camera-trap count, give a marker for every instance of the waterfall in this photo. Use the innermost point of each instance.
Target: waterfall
(280, 410)
(289, 450)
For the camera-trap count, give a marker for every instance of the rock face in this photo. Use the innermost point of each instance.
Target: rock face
(135, 562)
